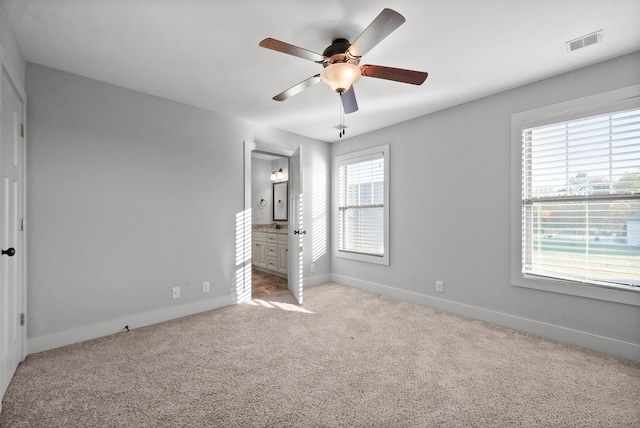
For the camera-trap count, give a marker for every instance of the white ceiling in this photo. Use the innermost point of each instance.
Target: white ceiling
(205, 53)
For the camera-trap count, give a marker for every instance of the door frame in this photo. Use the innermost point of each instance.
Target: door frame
(22, 235)
(21, 239)
(249, 148)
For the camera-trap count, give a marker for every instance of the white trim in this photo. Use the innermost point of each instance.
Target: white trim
(1, 67)
(557, 112)
(106, 328)
(618, 348)
(4, 69)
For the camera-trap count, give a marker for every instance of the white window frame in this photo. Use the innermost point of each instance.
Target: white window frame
(355, 157)
(619, 99)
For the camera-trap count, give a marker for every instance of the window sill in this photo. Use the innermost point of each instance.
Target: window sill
(627, 297)
(379, 260)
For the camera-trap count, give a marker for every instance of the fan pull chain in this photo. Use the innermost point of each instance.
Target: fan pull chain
(341, 114)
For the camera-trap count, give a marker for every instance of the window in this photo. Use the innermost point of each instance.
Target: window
(362, 197)
(580, 196)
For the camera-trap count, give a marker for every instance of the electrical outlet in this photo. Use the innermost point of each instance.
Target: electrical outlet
(175, 292)
(205, 287)
(312, 268)
(440, 286)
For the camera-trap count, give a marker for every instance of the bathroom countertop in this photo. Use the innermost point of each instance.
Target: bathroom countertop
(269, 228)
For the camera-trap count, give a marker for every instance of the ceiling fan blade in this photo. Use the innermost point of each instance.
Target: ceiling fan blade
(381, 27)
(283, 47)
(296, 89)
(395, 74)
(349, 102)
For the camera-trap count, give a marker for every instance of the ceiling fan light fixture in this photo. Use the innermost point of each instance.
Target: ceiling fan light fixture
(340, 76)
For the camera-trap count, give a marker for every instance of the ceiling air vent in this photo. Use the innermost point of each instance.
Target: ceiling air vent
(584, 41)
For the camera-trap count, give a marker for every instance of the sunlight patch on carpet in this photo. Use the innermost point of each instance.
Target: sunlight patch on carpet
(278, 305)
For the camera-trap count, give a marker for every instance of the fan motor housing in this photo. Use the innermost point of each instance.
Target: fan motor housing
(337, 52)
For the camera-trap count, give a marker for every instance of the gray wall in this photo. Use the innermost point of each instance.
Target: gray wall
(450, 178)
(131, 195)
(13, 57)
(261, 189)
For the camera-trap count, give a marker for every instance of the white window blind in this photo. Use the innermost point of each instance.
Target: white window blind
(361, 205)
(581, 200)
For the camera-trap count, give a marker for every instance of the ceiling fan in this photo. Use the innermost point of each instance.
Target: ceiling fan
(341, 61)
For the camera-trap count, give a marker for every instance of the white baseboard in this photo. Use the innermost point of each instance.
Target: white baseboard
(606, 345)
(310, 281)
(105, 328)
(629, 351)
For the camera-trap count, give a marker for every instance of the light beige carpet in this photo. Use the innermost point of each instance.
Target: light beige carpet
(347, 358)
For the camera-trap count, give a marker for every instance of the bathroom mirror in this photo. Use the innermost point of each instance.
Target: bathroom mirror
(280, 197)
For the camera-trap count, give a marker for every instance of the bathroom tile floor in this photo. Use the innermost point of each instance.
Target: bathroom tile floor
(264, 284)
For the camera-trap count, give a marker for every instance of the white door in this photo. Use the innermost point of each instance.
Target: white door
(11, 291)
(296, 227)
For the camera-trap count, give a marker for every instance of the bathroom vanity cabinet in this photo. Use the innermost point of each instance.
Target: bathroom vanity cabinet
(270, 252)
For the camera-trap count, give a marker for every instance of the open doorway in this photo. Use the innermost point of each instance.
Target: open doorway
(269, 223)
(273, 203)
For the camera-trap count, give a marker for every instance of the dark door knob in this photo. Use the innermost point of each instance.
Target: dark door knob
(9, 252)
